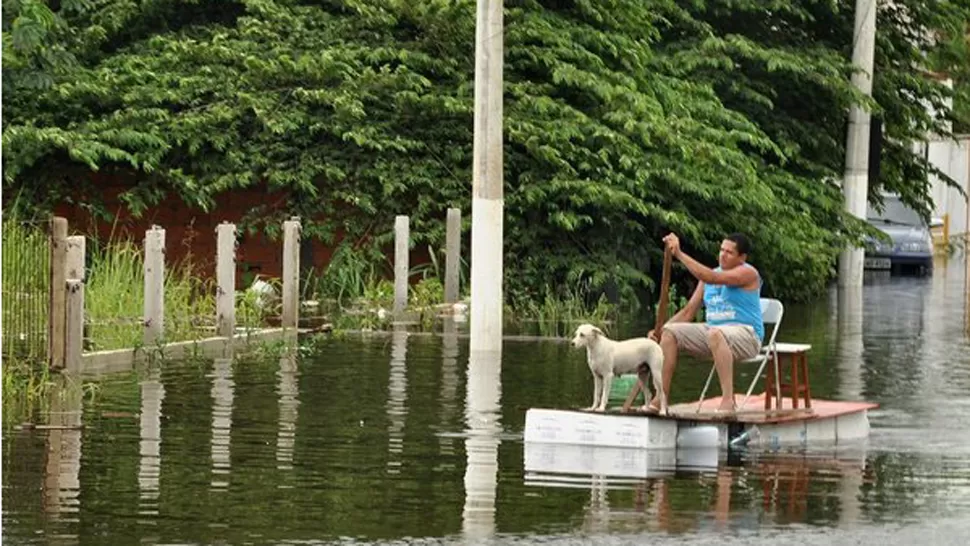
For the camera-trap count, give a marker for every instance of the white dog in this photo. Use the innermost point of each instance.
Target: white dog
(607, 358)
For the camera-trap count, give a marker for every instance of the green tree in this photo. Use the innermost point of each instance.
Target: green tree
(624, 119)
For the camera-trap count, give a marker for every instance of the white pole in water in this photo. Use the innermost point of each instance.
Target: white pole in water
(855, 186)
(154, 285)
(402, 246)
(487, 182)
(452, 254)
(226, 279)
(291, 274)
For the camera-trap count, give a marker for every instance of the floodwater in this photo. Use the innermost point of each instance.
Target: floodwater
(399, 439)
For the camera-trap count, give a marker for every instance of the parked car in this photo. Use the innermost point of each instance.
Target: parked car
(911, 243)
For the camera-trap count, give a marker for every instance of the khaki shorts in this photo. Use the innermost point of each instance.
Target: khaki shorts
(692, 337)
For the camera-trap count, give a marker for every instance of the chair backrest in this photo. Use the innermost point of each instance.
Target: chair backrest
(771, 310)
(771, 313)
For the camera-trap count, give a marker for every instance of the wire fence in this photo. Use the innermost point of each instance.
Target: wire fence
(26, 289)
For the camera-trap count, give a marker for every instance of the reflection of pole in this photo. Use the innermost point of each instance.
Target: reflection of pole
(482, 416)
(222, 399)
(850, 321)
(597, 517)
(397, 398)
(850, 484)
(288, 390)
(150, 462)
(449, 379)
(61, 483)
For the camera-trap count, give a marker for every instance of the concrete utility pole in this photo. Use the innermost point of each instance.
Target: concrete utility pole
(855, 186)
(487, 182)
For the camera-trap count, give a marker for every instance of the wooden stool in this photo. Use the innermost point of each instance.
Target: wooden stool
(799, 387)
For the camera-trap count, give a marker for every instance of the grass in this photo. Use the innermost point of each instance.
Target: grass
(27, 389)
(26, 381)
(26, 252)
(355, 295)
(114, 300)
(558, 312)
(114, 306)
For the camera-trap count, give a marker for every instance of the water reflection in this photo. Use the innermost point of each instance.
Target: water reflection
(150, 455)
(483, 422)
(849, 322)
(222, 402)
(448, 394)
(899, 343)
(63, 465)
(288, 389)
(397, 398)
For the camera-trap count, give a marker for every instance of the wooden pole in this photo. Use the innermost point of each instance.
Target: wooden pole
(226, 279)
(488, 207)
(76, 250)
(291, 273)
(452, 254)
(664, 299)
(58, 293)
(74, 327)
(74, 321)
(402, 237)
(154, 285)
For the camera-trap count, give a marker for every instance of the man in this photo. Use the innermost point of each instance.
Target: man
(733, 329)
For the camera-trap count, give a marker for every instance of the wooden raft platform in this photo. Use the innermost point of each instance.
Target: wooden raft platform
(753, 412)
(827, 421)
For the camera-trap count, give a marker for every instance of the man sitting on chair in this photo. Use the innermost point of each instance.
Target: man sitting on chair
(733, 330)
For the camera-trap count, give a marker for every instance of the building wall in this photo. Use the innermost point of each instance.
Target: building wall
(952, 158)
(191, 233)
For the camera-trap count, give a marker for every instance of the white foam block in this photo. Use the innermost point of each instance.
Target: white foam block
(599, 429)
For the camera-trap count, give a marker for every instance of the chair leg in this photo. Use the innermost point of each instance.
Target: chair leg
(769, 385)
(796, 372)
(754, 381)
(808, 389)
(778, 403)
(700, 401)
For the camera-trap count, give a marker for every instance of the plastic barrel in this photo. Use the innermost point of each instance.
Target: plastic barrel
(620, 389)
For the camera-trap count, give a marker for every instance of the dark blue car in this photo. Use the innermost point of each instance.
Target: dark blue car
(911, 245)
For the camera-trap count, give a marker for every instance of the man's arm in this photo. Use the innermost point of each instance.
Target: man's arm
(739, 276)
(689, 311)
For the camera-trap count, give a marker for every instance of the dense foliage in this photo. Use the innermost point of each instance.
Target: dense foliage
(624, 119)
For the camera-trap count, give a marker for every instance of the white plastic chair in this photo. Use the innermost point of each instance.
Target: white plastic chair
(771, 313)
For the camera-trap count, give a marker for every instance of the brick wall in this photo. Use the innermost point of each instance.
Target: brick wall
(191, 232)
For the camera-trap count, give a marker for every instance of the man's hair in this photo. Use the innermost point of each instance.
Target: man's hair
(741, 241)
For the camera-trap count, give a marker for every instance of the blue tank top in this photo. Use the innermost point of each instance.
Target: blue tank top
(734, 305)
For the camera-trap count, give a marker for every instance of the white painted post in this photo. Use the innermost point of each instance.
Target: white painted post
(74, 327)
(452, 254)
(291, 273)
(154, 285)
(402, 237)
(226, 279)
(487, 182)
(855, 185)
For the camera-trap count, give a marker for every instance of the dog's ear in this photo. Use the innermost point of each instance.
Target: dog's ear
(597, 331)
